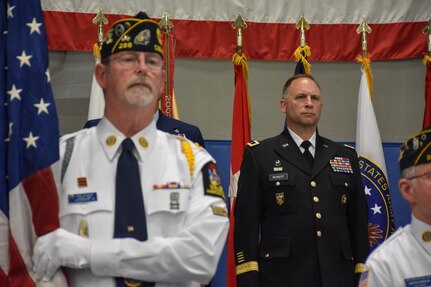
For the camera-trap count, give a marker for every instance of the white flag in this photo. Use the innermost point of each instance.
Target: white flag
(97, 101)
(381, 222)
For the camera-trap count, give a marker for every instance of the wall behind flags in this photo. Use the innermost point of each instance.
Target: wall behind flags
(204, 91)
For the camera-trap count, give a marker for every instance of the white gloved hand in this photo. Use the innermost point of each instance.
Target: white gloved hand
(59, 248)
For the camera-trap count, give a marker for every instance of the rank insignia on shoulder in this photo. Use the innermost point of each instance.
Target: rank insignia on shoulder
(212, 181)
(217, 210)
(349, 147)
(253, 143)
(341, 164)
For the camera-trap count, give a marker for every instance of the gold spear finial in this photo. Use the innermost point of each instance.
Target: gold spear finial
(302, 25)
(100, 19)
(165, 23)
(364, 28)
(240, 24)
(427, 30)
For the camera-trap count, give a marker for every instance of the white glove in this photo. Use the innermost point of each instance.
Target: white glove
(59, 248)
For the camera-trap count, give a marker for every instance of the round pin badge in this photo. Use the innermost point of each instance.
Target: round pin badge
(111, 140)
(426, 236)
(143, 142)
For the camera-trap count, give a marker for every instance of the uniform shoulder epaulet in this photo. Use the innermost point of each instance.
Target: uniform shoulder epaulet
(253, 143)
(349, 146)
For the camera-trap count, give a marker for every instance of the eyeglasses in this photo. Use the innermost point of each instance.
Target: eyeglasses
(427, 176)
(131, 60)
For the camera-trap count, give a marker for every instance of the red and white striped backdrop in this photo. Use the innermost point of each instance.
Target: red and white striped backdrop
(204, 27)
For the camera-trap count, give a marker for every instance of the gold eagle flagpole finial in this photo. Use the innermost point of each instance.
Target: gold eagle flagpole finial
(364, 28)
(165, 23)
(166, 26)
(302, 25)
(99, 20)
(239, 24)
(427, 30)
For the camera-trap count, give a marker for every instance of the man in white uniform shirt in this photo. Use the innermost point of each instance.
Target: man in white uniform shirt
(184, 219)
(405, 258)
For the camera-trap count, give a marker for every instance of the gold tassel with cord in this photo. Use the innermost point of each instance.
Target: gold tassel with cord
(96, 51)
(426, 59)
(241, 59)
(301, 54)
(366, 63)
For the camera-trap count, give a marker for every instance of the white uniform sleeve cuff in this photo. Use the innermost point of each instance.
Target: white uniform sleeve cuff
(104, 257)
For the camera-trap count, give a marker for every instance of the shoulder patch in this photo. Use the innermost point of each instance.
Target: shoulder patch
(253, 143)
(212, 181)
(349, 147)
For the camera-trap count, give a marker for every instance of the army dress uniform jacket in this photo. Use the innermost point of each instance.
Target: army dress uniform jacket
(404, 259)
(297, 226)
(186, 232)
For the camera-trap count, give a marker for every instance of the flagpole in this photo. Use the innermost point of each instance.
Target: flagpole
(427, 30)
(303, 51)
(99, 20)
(239, 24)
(363, 29)
(96, 106)
(427, 62)
(369, 147)
(240, 137)
(166, 26)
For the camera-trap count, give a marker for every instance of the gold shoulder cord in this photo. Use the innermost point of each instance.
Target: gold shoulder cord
(188, 152)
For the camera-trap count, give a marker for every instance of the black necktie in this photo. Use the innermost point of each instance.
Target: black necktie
(307, 154)
(130, 218)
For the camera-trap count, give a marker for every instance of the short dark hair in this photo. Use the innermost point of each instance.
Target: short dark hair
(293, 78)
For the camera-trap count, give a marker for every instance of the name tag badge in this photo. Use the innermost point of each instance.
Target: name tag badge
(82, 197)
(278, 176)
(423, 281)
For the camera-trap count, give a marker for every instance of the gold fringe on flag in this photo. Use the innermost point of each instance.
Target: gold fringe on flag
(96, 51)
(426, 59)
(301, 54)
(241, 59)
(366, 63)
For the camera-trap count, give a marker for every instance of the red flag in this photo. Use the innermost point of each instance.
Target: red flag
(240, 137)
(427, 112)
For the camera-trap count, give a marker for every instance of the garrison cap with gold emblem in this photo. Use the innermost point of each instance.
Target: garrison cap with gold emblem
(416, 150)
(139, 33)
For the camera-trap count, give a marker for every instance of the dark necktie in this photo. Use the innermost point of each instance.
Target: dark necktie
(130, 218)
(307, 154)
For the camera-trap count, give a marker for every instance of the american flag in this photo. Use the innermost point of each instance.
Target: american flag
(29, 141)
